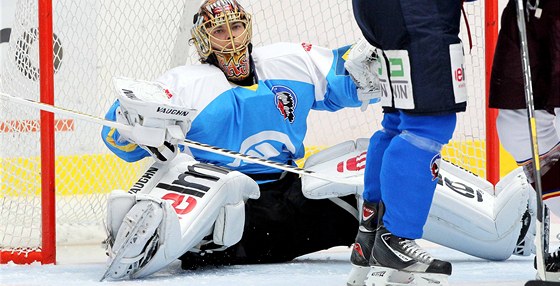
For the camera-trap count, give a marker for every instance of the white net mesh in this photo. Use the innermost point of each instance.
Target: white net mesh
(96, 40)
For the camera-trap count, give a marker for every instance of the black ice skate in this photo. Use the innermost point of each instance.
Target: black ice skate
(551, 266)
(208, 254)
(400, 261)
(361, 250)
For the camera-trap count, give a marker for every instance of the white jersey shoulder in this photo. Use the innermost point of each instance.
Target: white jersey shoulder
(195, 86)
(292, 61)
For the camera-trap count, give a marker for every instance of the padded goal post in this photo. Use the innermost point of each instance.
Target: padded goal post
(55, 171)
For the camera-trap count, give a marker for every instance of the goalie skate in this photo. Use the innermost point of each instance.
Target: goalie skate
(384, 276)
(135, 242)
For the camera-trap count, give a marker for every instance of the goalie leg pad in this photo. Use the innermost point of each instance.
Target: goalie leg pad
(475, 218)
(195, 199)
(185, 230)
(343, 160)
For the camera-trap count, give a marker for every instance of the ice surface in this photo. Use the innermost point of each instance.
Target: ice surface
(85, 266)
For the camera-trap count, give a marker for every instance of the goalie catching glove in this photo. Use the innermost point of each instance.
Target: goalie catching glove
(362, 64)
(155, 123)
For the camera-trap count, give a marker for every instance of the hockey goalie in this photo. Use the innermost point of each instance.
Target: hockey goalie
(205, 214)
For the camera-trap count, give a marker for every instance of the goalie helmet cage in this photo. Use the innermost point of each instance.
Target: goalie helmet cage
(67, 52)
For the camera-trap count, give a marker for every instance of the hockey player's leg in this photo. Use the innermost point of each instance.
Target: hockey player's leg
(551, 184)
(515, 139)
(365, 238)
(409, 172)
(407, 197)
(376, 150)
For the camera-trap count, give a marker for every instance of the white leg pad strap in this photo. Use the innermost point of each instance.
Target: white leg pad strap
(228, 228)
(118, 205)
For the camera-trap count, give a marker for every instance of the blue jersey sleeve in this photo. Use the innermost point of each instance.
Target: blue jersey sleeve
(124, 149)
(341, 90)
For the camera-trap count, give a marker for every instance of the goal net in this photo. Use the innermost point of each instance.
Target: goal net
(94, 41)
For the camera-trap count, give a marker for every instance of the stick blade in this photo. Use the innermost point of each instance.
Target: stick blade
(541, 283)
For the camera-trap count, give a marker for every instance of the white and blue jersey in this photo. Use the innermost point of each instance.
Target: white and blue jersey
(266, 120)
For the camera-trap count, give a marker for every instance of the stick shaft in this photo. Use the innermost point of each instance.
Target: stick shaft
(541, 241)
(186, 142)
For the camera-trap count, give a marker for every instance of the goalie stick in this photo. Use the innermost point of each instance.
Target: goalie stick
(186, 142)
(541, 241)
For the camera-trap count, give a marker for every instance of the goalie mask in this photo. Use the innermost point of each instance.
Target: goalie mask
(221, 34)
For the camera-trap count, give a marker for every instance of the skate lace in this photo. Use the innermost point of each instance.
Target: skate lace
(413, 250)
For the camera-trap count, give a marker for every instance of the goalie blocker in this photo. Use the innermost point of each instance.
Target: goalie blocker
(152, 121)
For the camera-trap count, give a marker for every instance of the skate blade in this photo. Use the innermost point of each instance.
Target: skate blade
(383, 276)
(549, 276)
(358, 275)
(429, 279)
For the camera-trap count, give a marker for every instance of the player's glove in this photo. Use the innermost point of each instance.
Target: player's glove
(362, 64)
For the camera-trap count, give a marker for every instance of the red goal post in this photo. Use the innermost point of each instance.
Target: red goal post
(55, 172)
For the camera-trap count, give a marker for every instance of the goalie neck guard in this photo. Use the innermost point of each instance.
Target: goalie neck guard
(222, 33)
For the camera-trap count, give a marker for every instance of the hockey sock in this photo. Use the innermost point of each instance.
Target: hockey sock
(409, 172)
(377, 145)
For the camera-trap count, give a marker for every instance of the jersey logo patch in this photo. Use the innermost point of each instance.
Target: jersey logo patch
(286, 101)
(306, 46)
(434, 166)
